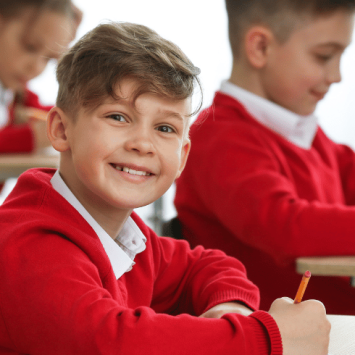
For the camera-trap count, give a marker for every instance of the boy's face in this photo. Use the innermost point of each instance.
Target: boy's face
(123, 156)
(299, 72)
(28, 42)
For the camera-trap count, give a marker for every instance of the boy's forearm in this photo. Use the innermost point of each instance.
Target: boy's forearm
(209, 277)
(227, 307)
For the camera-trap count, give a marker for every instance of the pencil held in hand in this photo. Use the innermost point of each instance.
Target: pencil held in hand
(302, 287)
(37, 113)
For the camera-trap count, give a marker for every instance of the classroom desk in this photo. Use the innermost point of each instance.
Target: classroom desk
(342, 339)
(12, 165)
(328, 266)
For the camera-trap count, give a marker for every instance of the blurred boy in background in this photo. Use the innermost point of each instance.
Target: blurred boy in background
(263, 181)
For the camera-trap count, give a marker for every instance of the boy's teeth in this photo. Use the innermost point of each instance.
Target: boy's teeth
(131, 171)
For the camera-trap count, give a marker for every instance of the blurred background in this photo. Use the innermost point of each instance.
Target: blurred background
(199, 28)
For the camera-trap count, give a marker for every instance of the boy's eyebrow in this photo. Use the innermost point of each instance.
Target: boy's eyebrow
(166, 113)
(172, 114)
(335, 45)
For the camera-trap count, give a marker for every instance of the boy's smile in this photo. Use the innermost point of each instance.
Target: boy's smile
(122, 155)
(299, 72)
(132, 169)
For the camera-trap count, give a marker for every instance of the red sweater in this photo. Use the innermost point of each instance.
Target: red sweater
(59, 295)
(19, 138)
(266, 201)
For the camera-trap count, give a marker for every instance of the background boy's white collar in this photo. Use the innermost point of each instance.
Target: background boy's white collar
(297, 129)
(130, 236)
(6, 97)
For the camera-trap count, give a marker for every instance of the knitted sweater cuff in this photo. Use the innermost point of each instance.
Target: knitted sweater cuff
(272, 330)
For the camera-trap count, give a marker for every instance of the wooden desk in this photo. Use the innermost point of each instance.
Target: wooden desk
(342, 339)
(12, 165)
(328, 266)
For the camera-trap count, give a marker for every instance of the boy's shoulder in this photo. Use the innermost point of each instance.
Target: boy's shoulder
(34, 208)
(29, 191)
(34, 192)
(227, 119)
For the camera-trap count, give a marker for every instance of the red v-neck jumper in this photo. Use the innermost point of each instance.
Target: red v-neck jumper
(255, 195)
(59, 294)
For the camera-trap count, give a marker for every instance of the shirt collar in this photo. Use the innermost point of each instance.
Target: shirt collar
(6, 97)
(297, 129)
(120, 261)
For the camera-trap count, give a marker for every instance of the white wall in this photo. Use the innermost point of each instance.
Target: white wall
(199, 27)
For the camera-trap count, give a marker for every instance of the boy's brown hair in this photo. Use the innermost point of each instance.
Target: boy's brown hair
(281, 16)
(90, 70)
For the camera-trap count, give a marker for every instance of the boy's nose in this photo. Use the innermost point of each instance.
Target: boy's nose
(141, 143)
(36, 66)
(333, 74)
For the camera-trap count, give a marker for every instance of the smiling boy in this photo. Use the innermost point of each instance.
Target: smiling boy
(270, 186)
(136, 150)
(80, 272)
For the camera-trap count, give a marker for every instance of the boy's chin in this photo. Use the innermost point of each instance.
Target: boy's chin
(305, 111)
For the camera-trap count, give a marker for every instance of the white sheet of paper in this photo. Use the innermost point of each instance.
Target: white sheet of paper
(342, 340)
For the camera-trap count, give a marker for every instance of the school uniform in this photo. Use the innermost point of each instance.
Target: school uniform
(267, 186)
(16, 138)
(68, 288)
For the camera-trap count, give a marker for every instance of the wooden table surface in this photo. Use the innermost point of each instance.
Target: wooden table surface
(342, 335)
(329, 266)
(12, 165)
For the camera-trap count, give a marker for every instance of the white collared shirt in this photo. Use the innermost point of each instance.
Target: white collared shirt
(6, 97)
(131, 237)
(297, 129)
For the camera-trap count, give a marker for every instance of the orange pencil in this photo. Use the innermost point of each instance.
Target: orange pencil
(302, 287)
(37, 113)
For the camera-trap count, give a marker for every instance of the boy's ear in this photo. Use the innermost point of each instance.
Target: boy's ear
(185, 150)
(57, 122)
(257, 44)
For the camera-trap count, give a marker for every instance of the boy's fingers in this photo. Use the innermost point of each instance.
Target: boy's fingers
(288, 299)
(316, 303)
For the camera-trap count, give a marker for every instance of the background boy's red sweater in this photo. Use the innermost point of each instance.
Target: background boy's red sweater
(59, 295)
(19, 138)
(266, 201)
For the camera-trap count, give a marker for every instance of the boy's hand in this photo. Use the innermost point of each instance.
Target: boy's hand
(304, 327)
(227, 307)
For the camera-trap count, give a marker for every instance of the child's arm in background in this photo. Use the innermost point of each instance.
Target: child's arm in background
(24, 134)
(16, 139)
(23, 138)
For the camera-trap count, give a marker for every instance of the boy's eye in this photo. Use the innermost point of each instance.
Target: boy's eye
(324, 57)
(165, 129)
(30, 48)
(117, 117)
